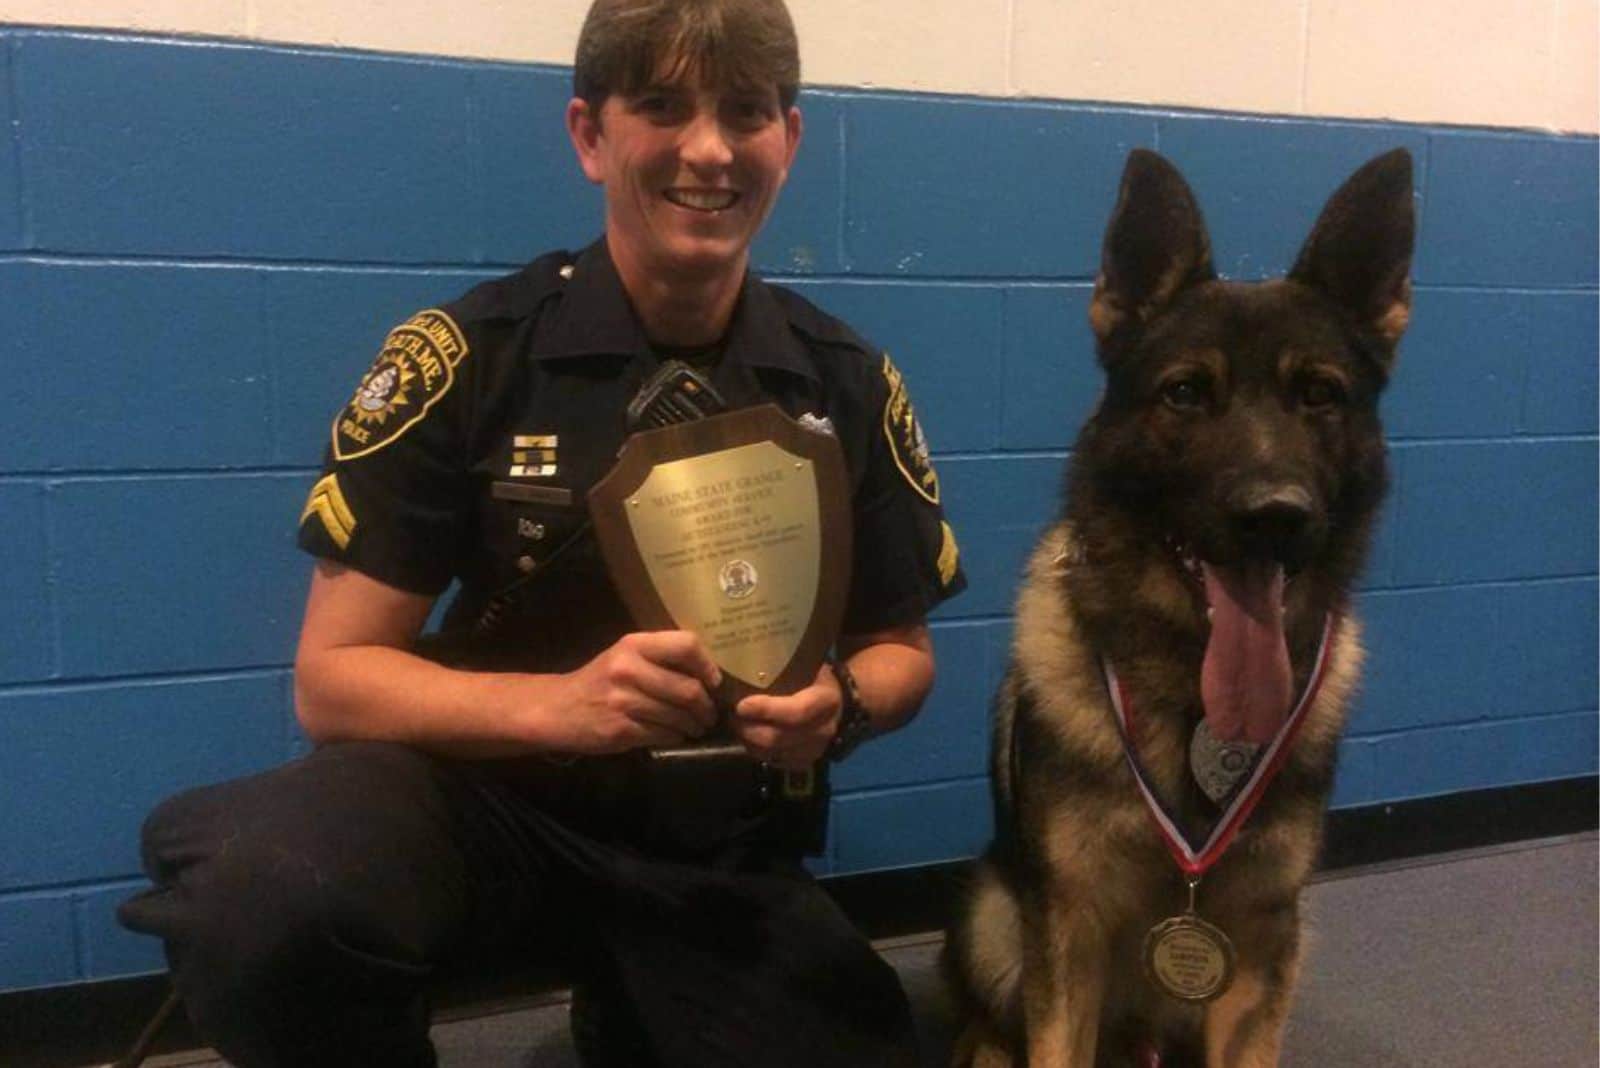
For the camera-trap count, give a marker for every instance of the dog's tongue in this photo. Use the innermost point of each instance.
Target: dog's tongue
(1245, 681)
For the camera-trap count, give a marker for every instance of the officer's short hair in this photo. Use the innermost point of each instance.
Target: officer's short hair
(726, 42)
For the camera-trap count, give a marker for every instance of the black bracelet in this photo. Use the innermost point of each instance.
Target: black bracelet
(855, 726)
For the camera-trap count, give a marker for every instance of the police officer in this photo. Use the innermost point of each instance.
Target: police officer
(487, 791)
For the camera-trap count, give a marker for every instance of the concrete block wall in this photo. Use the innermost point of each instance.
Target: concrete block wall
(203, 241)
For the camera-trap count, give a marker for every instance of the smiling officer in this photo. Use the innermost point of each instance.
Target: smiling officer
(485, 789)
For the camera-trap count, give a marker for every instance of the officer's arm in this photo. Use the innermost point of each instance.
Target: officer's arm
(356, 678)
(893, 670)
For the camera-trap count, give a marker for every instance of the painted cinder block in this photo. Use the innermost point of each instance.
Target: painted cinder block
(1458, 654)
(109, 949)
(138, 146)
(1261, 184)
(1379, 571)
(91, 761)
(1461, 365)
(1005, 492)
(1052, 379)
(1495, 510)
(949, 737)
(28, 623)
(803, 236)
(944, 338)
(997, 507)
(988, 189)
(1549, 636)
(1561, 392)
(324, 326)
(133, 367)
(1000, 634)
(178, 574)
(535, 198)
(1448, 759)
(1352, 781)
(904, 827)
(1433, 657)
(1510, 210)
(36, 946)
(1491, 363)
(11, 235)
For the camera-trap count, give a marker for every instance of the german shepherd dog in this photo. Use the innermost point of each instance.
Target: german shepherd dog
(1219, 504)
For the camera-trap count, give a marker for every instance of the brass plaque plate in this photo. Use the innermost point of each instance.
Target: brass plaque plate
(735, 527)
(730, 542)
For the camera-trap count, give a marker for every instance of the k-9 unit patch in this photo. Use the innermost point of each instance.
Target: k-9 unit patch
(906, 442)
(415, 367)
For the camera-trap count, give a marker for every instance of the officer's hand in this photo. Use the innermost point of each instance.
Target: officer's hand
(651, 688)
(794, 731)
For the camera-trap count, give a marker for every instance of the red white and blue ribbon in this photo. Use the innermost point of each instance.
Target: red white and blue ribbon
(1196, 859)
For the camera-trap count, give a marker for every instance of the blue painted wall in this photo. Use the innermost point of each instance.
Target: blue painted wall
(201, 245)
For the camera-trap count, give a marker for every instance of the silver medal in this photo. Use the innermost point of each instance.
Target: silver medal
(1219, 766)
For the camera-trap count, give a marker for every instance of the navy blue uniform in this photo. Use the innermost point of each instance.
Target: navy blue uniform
(479, 471)
(306, 909)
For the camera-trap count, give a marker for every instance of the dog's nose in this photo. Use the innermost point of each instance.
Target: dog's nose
(1270, 517)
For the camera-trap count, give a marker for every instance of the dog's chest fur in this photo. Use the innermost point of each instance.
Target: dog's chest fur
(1088, 791)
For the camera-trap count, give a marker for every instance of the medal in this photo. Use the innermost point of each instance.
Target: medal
(1187, 958)
(1219, 766)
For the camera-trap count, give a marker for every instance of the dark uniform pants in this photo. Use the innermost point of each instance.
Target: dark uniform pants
(306, 909)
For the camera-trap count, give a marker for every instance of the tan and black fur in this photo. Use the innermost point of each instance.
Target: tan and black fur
(1238, 421)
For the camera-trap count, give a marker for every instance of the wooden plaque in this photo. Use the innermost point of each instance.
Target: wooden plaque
(736, 527)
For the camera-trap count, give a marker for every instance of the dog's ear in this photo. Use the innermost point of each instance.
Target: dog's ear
(1359, 253)
(1156, 245)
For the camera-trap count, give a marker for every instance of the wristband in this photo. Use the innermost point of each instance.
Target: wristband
(854, 726)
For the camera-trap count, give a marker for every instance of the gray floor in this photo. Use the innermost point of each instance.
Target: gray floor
(1476, 959)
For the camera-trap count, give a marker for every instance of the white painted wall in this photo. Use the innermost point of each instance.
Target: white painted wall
(1529, 63)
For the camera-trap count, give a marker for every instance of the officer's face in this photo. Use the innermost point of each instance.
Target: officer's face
(690, 172)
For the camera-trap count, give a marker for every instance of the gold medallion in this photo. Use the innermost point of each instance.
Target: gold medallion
(1188, 958)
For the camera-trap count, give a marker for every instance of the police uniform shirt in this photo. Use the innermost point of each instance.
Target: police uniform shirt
(468, 447)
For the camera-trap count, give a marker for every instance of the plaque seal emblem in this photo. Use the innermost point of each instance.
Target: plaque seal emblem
(738, 579)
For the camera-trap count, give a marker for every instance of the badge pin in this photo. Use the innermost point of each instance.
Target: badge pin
(1219, 767)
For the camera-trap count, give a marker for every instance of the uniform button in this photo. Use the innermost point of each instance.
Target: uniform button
(525, 564)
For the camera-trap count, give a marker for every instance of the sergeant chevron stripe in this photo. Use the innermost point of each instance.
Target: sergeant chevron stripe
(327, 503)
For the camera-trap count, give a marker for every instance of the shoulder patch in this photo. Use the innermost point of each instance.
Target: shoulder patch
(415, 367)
(906, 442)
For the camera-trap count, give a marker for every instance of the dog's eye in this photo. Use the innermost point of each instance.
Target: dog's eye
(1321, 392)
(1185, 394)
